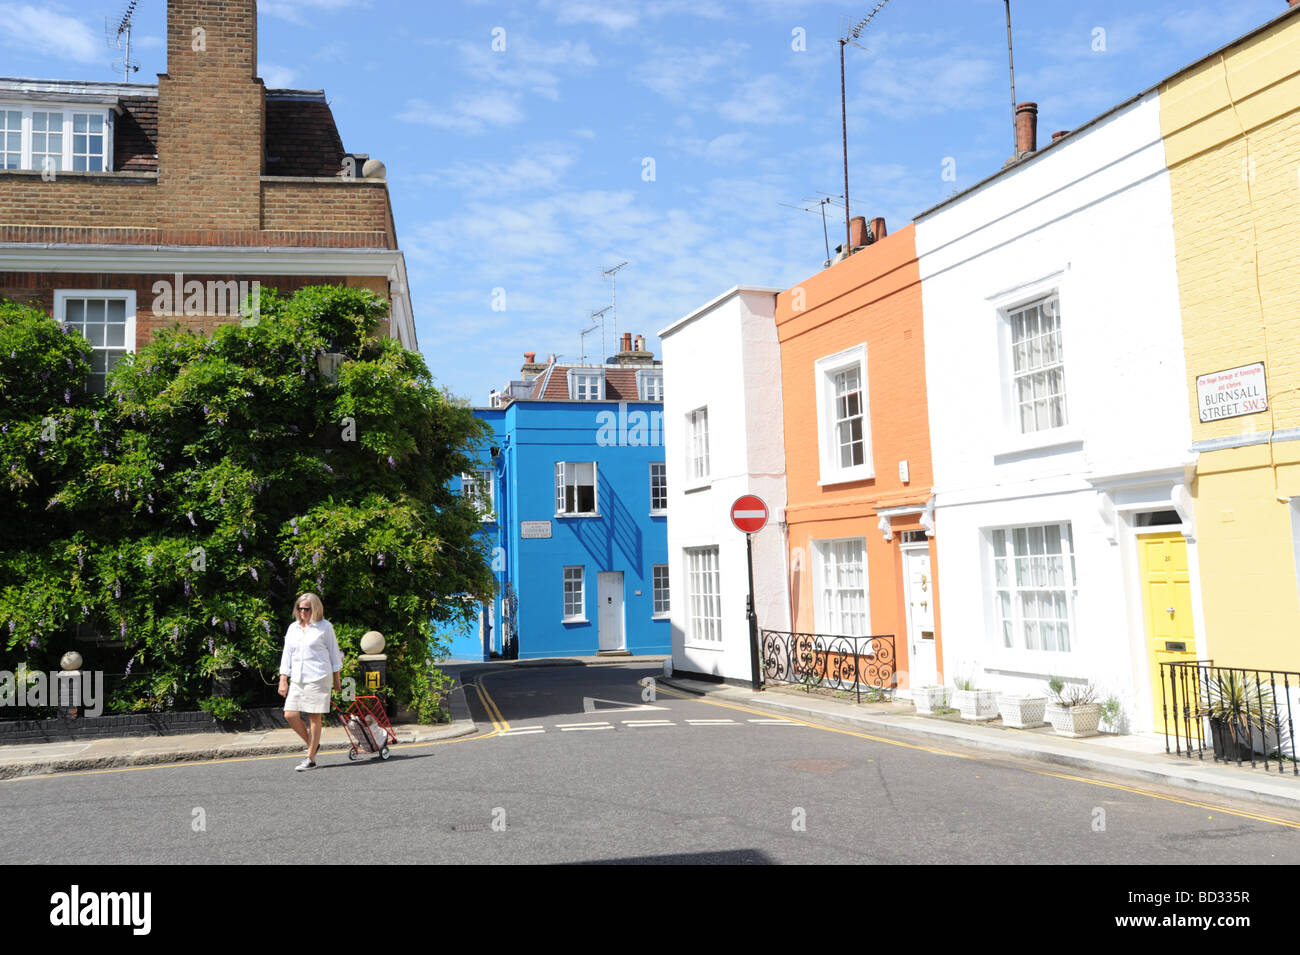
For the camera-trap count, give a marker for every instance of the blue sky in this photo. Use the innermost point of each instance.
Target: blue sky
(525, 169)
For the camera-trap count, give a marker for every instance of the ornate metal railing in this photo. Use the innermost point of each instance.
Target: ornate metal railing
(830, 661)
(1245, 714)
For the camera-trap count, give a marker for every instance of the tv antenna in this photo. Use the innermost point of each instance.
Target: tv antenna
(809, 206)
(1011, 65)
(121, 39)
(612, 275)
(582, 338)
(850, 37)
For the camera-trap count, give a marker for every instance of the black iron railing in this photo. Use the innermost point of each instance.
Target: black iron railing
(829, 661)
(1245, 714)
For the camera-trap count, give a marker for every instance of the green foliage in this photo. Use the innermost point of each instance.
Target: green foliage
(1110, 711)
(964, 683)
(182, 513)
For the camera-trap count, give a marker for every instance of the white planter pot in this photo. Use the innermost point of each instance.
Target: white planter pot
(928, 699)
(1022, 712)
(976, 704)
(1074, 721)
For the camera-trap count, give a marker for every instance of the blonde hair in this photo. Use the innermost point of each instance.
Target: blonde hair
(317, 608)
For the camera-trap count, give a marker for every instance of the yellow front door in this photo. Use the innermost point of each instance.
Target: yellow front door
(1167, 597)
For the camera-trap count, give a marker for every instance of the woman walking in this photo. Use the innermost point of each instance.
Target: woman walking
(309, 666)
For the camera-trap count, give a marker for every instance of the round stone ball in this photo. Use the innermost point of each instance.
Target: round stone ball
(71, 660)
(374, 169)
(372, 642)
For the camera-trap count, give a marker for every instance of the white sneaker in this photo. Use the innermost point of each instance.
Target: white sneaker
(305, 765)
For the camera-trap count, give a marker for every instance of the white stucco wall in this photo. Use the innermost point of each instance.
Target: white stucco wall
(1090, 218)
(725, 356)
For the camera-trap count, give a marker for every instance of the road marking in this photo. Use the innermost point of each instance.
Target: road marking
(615, 706)
(648, 723)
(713, 723)
(524, 730)
(499, 722)
(775, 722)
(1041, 772)
(578, 727)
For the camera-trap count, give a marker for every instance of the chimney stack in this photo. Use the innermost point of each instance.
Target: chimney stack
(627, 341)
(639, 343)
(877, 229)
(531, 367)
(1026, 128)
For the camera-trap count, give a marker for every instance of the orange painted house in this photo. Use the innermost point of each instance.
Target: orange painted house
(857, 440)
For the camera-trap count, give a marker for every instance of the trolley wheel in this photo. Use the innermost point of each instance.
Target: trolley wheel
(384, 753)
(352, 754)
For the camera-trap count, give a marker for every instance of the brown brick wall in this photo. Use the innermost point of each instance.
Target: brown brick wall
(38, 288)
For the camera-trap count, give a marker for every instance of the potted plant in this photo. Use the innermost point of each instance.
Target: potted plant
(974, 704)
(1238, 707)
(1023, 711)
(930, 699)
(1074, 710)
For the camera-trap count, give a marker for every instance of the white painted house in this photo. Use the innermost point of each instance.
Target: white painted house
(724, 438)
(1058, 418)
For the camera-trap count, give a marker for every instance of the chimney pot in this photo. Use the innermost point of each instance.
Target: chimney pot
(1026, 128)
(530, 356)
(627, 341)
(639, 344)
(877, 229)
(1066, 132)
(857, 232)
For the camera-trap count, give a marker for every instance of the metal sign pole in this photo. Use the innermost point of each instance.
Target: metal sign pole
(755, 684)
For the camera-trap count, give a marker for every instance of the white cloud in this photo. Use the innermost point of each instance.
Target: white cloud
(611, 14)
(276, 77)
(469, 114)
(42, 31)
(534, 168)
(674, 71)
(764, 100)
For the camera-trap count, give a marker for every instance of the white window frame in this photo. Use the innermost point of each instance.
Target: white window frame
(662, 468)
(826, 560)
(697, 446)
(68, 112)
(1019, 648)
(61, 297)
(703, 604)
(580, 579)
(661, 592)
(580, 379)
(650, 384)
(481, 478)
(562, 473)
(1049, 300)
(825, 371)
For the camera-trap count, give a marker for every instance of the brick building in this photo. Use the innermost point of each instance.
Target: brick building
(129, 207)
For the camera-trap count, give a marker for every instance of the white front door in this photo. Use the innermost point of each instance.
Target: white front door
(609, 620)
(922, 665)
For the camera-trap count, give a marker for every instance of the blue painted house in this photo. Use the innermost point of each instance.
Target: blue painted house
(574, 496)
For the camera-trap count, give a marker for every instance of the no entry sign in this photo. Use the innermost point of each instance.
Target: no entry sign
(749, 513)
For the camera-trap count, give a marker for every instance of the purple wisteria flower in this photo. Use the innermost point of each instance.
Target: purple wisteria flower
(291, 559)
(148, 559)
(176, 632)
(215, 620)
(67, 396)
(212, 645)
(266, 625)
(123, 630)
(12, 626)
(32, 643)
(69, 361)
(128, 666)
(315, 559)
(239, 548)
(190, 515)
(187, 588)
(253, 571)
(391, 463)
(320, 585)
(117, 590)
(382, 559)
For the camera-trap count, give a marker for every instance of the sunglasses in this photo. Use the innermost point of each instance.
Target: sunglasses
(305, 608)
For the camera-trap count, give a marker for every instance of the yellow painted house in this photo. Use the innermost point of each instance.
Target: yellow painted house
(1231, 126)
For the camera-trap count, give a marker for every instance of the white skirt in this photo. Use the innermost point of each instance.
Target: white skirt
(312, 696)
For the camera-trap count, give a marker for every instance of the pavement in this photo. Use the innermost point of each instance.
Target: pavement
(1137, 756)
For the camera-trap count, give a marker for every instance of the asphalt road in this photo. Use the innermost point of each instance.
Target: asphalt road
(567, 770)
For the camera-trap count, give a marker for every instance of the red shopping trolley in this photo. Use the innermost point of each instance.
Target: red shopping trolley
(367, 727)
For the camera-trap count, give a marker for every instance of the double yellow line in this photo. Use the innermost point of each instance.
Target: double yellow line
(499, 722)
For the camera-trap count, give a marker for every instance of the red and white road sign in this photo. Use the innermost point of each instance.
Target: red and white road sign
(749, 513)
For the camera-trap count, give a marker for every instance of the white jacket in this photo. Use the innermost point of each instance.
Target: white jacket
(310, 653)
